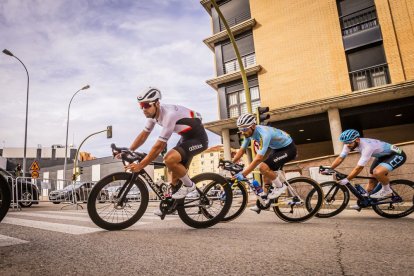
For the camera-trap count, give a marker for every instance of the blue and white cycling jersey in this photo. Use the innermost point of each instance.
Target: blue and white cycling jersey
(371, 148)
(268, 137)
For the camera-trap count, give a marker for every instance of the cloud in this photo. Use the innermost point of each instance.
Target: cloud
(118, 47)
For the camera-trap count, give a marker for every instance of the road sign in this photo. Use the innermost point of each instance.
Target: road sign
(35, 174)
(35, 166)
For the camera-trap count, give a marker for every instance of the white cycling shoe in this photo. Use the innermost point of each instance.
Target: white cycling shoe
(183, 191)
(255, 209)
(276, 192)
(158, 212)
(381, 193)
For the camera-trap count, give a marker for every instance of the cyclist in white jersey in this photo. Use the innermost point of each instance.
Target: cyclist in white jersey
(387, 158)
(173, 119)
(276, 148)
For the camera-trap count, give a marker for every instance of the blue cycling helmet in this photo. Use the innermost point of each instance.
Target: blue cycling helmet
(349, 135)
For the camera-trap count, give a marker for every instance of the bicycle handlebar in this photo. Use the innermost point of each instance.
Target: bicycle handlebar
(230, 166)
(329, 171)
(130, 156)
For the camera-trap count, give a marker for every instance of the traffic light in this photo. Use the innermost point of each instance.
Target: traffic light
(262, 115)
(80, 170)
(109, 132)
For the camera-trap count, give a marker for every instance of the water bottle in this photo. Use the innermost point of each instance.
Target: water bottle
(361, 190)
(256, 187)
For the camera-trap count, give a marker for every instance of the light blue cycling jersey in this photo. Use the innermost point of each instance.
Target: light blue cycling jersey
(371, 148)
(268, 137)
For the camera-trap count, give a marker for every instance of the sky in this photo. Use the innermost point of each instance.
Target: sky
(118, 47)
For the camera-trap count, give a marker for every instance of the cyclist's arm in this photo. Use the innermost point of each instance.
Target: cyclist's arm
(241, 151)
(238, 155)
(139, 140)
(355, 172)
(154, 152)
(256, 161)
(341, 157)
(337, 162)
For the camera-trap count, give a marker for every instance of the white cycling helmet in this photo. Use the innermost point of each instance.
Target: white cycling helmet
(149, 94)
(246, 120)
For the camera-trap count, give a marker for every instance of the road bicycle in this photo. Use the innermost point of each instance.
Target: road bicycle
(5, 197)
(199, 209)
(399, 204)
(300, 202)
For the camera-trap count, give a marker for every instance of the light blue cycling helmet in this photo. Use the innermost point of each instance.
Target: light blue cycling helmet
(349, 136)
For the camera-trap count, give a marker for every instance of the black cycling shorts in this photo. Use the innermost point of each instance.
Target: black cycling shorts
(391, 162)
(276, 158)
(192, 142)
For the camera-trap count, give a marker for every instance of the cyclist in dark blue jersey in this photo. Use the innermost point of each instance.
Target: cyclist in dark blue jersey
(276, 148)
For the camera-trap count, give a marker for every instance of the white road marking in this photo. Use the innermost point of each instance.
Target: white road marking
(7, 241)
(51, 226)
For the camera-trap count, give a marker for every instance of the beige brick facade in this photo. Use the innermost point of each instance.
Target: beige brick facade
(302, 56)
(397, 20)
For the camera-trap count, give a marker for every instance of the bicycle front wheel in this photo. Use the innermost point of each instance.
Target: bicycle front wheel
(107, 212)
(239, 201)
(5, 197)
(335, 199)
(301, 201)
(400, 203)
(205, 209)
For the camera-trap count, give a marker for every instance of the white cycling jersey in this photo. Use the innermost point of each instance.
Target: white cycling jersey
(169, 115)
(371, 148)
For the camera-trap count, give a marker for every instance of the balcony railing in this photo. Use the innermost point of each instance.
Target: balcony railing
(235, 20)
(233, 65)
(359, 21)
(370, 77)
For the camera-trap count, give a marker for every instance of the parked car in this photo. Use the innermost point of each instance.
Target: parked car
(112, 192)
(27, 192)
(81, 191)
(134, 194)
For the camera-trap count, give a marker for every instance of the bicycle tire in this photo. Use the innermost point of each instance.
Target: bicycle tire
(203, 216)
(5, 197)
(400, 186)
(329, 207)
(309, 205)
(94, 199)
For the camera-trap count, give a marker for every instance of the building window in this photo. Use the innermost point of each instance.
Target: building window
(211, 154)
(233, 65)
(237, 102)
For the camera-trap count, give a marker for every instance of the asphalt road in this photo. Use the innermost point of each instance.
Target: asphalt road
(350, 244)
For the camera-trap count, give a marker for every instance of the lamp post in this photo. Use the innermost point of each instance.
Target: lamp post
(67, 129)
(7, 52)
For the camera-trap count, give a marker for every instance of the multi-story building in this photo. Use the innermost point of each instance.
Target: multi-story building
(321, 67)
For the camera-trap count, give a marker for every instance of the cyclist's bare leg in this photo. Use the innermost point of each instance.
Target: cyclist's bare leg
(172, 160)
(268, 175)
(381, 174)
(371, 184)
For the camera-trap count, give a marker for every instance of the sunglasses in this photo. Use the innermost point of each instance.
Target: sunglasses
(145, 105)
(350, 142)
(244, 129)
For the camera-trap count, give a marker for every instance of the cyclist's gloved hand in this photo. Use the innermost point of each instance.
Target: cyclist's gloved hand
(343, 181)
(240, 176)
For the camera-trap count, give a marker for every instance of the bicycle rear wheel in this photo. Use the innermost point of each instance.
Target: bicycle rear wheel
(5, 197)
(205, 209)
(110, 214)
(335, 199)
(400, 203)
(301, 201)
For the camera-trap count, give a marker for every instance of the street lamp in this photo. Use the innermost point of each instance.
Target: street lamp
(67, 129)
(7, 52)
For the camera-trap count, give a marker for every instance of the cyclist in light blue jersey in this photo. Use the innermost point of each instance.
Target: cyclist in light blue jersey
(276, 148)
(387, 158)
